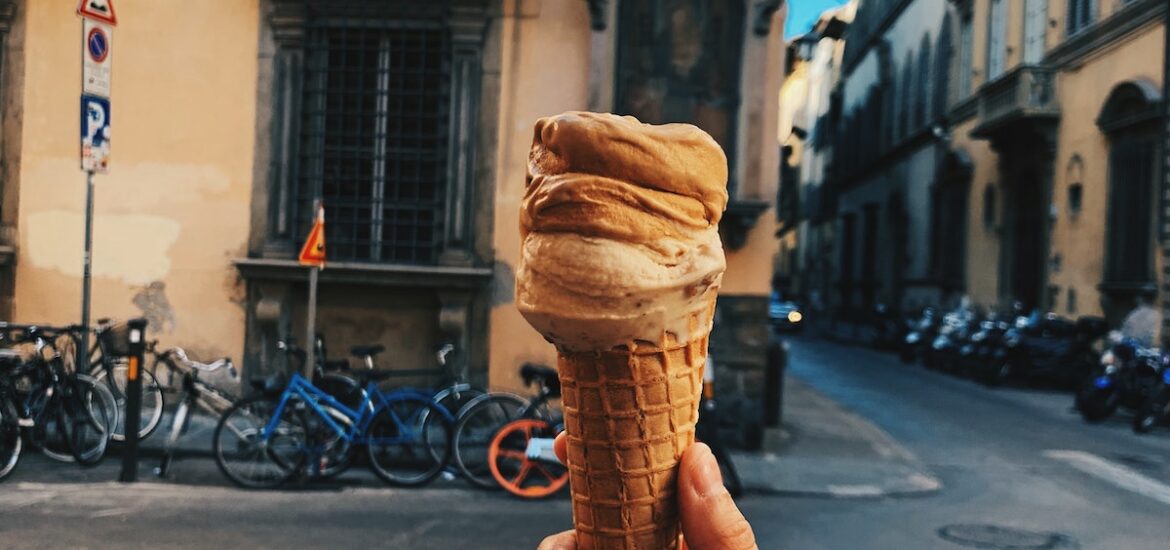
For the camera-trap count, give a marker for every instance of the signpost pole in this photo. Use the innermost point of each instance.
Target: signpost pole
(83, 359)
(311, 328)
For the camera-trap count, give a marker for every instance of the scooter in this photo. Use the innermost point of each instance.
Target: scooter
(1156, 409)
(921, 334)
(1053, 350)
(1126, 377)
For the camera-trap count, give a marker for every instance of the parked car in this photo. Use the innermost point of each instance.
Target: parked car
(785, 315)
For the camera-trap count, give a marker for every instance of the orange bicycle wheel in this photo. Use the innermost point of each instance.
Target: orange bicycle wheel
(512, 468)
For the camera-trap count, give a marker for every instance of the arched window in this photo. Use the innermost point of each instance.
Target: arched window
(942, 70)
(923, 93)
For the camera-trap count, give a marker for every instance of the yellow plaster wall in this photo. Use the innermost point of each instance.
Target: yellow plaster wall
(174, 207)
(544, 71)
(982, 240)
(1080, 240)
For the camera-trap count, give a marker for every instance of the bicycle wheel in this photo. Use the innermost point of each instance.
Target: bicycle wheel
(152, 399)
(331, 451)
(251, 455)
(91, 415)
(400, 451)
(515, 471)
(77, 420)
(10, 441)
(478, 424)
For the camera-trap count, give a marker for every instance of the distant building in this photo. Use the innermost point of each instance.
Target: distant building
(1061, 123)
(806, 214)
(1002, 150)
(411, 120)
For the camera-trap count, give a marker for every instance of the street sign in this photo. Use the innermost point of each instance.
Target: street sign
(313, 253)
(95, 133)
(99, 10)
(96, 58)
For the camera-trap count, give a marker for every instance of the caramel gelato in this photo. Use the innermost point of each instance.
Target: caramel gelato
(619, 229)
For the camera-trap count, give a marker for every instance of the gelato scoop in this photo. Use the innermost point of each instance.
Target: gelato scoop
(619, 229)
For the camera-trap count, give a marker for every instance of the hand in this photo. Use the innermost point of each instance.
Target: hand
(710, 519)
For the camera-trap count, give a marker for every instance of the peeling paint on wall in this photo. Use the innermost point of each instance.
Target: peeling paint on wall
(157, 310)
(133, 248)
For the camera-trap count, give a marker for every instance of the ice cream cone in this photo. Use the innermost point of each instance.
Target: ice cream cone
(630, 412)
(620, 265)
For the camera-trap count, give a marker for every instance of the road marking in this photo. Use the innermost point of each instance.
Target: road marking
(112, 512)
(1113, 473)
(853, 491)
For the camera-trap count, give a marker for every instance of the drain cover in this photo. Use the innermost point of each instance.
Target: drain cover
(1003, 538)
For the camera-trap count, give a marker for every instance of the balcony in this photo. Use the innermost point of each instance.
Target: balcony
(1026, 94)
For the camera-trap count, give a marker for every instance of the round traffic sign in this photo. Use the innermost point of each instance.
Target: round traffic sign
(97, 44)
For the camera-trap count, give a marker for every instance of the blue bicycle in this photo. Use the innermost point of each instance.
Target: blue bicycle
(265, 440)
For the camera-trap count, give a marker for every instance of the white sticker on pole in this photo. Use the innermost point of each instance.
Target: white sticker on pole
(96, 58)
(95, 133)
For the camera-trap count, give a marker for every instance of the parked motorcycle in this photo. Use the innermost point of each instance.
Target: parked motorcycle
(1126, 377)
(1051, 349)
(921, 333)
(957, 328)
(1156, 409)
(983, 356)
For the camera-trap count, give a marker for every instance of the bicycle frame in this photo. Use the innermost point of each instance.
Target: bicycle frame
(373, 402)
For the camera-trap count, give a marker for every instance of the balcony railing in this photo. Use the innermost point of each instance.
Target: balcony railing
(1026, 93)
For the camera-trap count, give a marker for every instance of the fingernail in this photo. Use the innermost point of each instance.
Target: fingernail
(708, 479)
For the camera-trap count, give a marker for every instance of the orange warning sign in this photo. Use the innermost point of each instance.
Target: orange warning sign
(98, 10)
(313, 253)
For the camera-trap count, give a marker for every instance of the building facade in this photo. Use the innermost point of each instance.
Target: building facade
(411, 121)
(1005, 151)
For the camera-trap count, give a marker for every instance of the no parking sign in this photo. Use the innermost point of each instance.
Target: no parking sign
(97, 34)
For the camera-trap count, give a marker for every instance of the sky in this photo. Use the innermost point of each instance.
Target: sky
(803, 13)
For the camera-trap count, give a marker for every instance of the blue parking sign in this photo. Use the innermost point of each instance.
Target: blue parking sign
(95, 133)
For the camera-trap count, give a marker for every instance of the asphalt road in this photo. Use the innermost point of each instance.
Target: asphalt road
(1008, 459)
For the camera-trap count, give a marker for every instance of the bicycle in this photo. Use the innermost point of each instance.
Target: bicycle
(523, 448)
(109, 364)
(275, 438)
(194, 394)
(482, 418)
(66, 415)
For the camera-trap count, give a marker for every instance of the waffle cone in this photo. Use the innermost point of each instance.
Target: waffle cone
(630, 412)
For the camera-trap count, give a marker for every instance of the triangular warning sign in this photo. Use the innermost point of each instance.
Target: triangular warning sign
(100, 10)
(313, 253)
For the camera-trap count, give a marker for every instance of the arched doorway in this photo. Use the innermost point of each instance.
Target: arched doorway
(949, 207)
(1129, 119)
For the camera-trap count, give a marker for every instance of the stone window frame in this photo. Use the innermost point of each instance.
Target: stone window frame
(278, 132)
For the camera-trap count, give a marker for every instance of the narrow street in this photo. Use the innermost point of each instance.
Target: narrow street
(1006, 457)
(1009, 458)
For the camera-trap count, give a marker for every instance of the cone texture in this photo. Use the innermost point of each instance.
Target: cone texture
(629, 415)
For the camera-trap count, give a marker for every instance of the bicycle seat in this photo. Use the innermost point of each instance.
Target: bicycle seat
(543, 375)
(366, 351)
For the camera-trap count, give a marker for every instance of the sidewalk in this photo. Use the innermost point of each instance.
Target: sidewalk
(822, 450)
(826, 450)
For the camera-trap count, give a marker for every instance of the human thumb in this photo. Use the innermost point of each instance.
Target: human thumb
(710, 519)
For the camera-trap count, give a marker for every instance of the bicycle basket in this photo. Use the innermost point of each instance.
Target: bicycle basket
(116, 340)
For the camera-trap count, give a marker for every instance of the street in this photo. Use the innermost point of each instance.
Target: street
(1006, 459)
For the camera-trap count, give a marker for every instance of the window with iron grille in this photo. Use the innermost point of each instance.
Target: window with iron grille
(374, 136)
